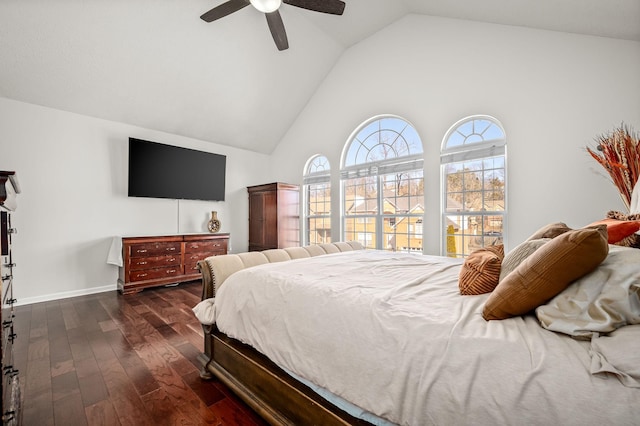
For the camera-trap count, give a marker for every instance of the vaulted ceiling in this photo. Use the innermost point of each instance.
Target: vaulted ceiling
(156, 64)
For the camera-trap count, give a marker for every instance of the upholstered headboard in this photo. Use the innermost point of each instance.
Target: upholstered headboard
(216, 269)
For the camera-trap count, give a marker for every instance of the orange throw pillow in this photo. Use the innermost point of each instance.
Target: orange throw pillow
(548, 271)
(618, 230)
(481, 270)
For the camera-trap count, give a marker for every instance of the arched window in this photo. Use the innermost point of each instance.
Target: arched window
(382, 186)
(473, 163)
(317, 200)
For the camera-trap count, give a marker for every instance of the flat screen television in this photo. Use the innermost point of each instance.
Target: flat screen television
(164, 171)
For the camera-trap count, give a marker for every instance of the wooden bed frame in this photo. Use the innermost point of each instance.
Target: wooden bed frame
(266, 388)
(274, 394)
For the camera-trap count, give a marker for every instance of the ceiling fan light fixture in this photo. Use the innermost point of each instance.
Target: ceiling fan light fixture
(266, 6)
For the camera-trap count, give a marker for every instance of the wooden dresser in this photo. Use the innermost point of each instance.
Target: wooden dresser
(274, 218)
(154, 261)
(11, 400)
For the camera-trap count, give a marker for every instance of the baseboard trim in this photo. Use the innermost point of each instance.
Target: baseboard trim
(64, 295)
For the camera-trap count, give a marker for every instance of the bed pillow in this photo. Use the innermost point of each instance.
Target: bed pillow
(619, 230)
(547, 272)
(551, 230)
(481, 270)
(516, 256)
(600, 302)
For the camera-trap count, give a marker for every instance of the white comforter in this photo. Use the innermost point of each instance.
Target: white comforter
(390, 333)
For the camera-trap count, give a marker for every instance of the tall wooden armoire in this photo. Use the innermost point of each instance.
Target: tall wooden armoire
(274, 216)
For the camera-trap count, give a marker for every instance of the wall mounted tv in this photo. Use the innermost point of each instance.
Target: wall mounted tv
(165, 171)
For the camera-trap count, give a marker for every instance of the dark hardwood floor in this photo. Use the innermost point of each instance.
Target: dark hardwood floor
(108, 359)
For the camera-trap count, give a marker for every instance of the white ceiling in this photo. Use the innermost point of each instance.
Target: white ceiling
(155, 64)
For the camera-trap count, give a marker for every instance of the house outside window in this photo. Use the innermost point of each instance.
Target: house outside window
(317, 201)
(382, 185)
(473, 164)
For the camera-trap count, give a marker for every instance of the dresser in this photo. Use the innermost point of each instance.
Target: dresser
(161, 260)
(11, 400)
(274, 218)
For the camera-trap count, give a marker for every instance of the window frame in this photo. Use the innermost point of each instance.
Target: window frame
(377, 173)
(481, 151)
(316, 175)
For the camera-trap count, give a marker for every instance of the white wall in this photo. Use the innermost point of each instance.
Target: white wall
(72, 170)
(553, 92)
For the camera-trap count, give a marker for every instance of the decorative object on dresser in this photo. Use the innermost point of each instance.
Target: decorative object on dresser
(10, 383)
(160, 260)
(274, 218)
(214, 223)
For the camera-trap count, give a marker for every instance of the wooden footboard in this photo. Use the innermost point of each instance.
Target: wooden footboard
(272, 393)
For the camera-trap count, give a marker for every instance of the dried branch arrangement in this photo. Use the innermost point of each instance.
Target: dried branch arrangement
(619, 153)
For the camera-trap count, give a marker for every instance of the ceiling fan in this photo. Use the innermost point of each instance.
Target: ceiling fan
(270, 9)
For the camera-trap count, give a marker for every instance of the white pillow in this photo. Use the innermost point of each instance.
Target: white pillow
(601, 301)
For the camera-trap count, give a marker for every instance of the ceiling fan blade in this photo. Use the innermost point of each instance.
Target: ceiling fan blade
(335, 7)
(276, 26)
(224, 9)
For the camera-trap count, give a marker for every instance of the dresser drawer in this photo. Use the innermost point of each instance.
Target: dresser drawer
(211, 246)
(7, 346)
(191, 260)
(154, 249)
(137, 263)
(153, 274)
(12, 401)
(7, 291)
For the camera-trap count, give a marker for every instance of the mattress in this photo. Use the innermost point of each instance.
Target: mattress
(390, 334)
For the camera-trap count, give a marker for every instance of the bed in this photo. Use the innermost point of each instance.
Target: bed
(351, 336)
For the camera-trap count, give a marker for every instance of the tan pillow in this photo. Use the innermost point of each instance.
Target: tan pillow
(481, 270)
(551, 230)
(519, 254)
(547, 272)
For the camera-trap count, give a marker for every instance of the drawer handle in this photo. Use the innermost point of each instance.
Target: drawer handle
(142, 263)
(10, 371)
(141, 251)
(142, 275)
(171, 248)
(195, 246)
(171, 260)
(171, 271)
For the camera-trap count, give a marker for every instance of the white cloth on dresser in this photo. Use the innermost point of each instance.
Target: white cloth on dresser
(115, 252)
